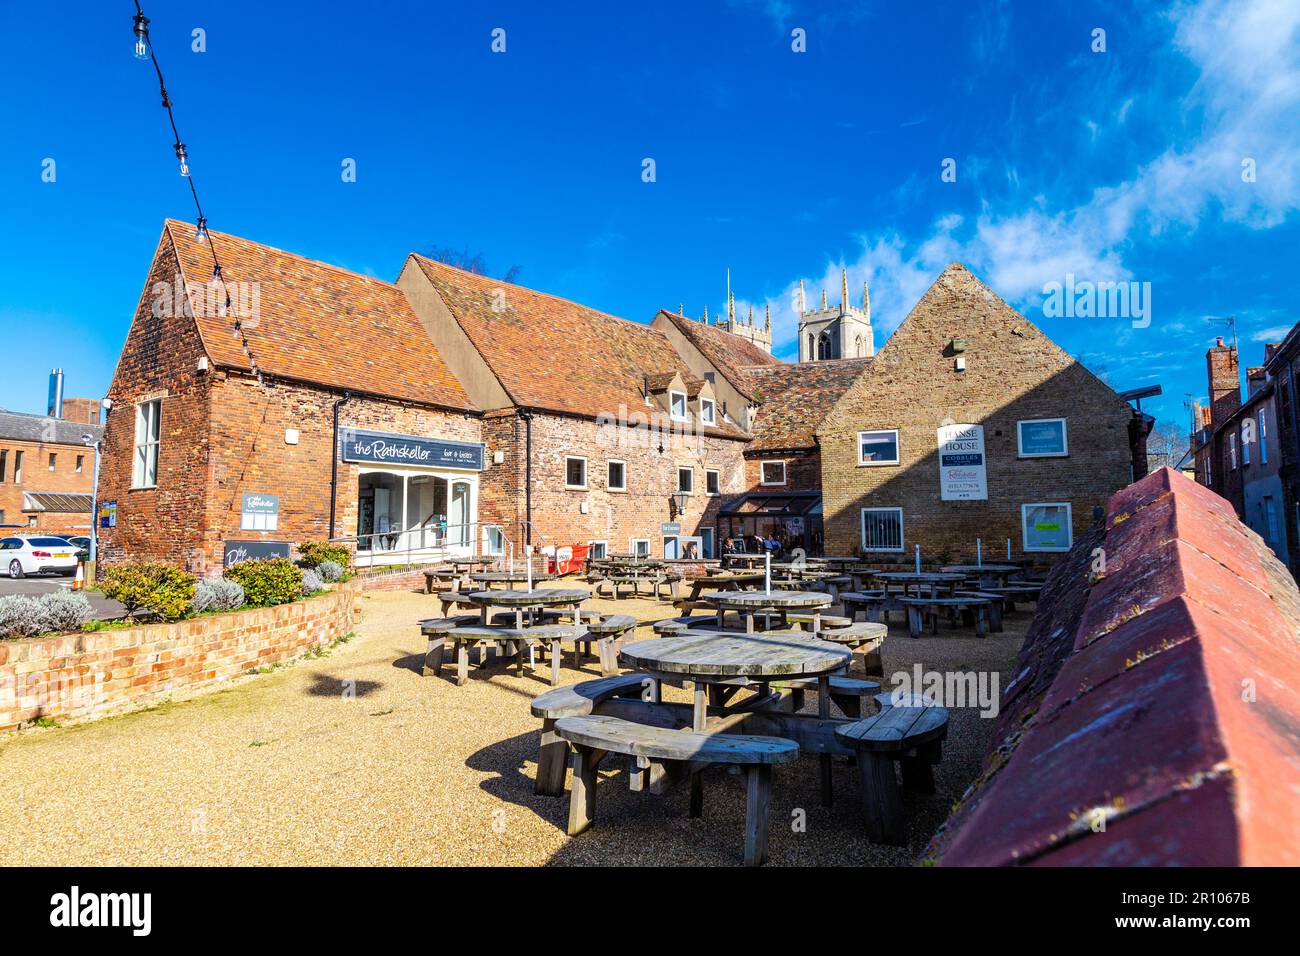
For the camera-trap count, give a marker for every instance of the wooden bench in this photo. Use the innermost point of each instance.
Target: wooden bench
(450, 599)
(511, 640)
(449, 576)
(925, 610)
(874, 605)
(849, 694)
(907, 734)
(675, 625)
(994, 609)
(593, 737)
(436, 630)
(1011, 593)
(611, 631)
(576, 700)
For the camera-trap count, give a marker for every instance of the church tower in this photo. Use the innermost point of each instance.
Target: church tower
(761, 337)
(835, 332)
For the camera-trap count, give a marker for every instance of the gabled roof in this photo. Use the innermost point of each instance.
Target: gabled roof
(729, 354)
(315, 322)
(794, 398)
(555, 355)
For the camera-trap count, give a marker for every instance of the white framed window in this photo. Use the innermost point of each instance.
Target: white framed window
(1263, 434)
(494, 539)
(1232, 452)
(598, 550)
(1046, 526)
(1245, 446)
(712, 481)
(639, 547)
(575, 472)
(677, 405)
(1042, 438)
(616, 475)
(882, 529)
(686, 481)
(878, 447)
(771, 473)
(148, 422)
(708, 411)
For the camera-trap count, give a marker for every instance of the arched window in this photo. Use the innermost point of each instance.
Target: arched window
(812, 347)
(858, 347)
(824, 346)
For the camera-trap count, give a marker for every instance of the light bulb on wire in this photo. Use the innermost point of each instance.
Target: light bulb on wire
(141, 31)
(201, 230)
(181, 157)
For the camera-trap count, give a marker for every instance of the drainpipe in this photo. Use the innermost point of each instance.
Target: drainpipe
(334, 460)
(527, 417)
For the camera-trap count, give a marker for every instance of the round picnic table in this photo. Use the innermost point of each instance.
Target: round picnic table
(718, 664)
(930, 580)
(520, 601)
(489, 578)
(473, 562)
(989, 574)
(750, 603)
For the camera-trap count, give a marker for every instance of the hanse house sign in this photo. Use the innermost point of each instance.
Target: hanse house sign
(384, 449)
(962, 474)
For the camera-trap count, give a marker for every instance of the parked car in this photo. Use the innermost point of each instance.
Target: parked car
(82, 543)
(37, 555)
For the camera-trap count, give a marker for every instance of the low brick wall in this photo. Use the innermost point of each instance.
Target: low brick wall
(86, 676)
(392, 579)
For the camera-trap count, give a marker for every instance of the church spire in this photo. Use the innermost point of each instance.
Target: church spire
(866, 300)
(751, 316)
(803, 299)
(706, 315)
(679, 309)
(767, 319)
(823, 298)
(731, 304)
(844, 290)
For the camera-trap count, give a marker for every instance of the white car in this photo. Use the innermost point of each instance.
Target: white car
(20, 556)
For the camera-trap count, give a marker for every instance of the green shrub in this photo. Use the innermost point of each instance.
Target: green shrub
(267, 581)
(314, 553)
(22, 616)
(160, 589)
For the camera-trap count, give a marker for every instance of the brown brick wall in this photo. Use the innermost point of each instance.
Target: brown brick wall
(36, 476)
(85, 676)
(803, 471)
(615, 517)
(1014, 372)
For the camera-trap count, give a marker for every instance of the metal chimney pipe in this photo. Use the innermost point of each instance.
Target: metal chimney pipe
(55, 407)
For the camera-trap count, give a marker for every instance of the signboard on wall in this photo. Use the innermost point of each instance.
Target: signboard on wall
(108, 514)
(259, 513)
(236, 551)
(380, 448)
(670, 527)
(962, 472)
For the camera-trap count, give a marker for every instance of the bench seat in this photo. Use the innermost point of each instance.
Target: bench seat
(450, 599)
(910, 734)
(850, 694)
(923, 610)
(593, 737)
(576, 700)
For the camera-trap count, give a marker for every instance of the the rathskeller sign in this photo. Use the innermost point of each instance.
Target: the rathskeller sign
(410, 450)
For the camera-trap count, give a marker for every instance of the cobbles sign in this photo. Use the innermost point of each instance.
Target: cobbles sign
(236, 551)
(383, 449)
(962, 474)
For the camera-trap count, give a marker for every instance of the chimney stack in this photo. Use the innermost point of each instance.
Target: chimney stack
(55, 406)
(1225, 381)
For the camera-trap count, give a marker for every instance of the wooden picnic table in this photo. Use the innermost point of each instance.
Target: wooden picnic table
(990, 575)
(719, 664)
(521, 601)
(931, 581)
(749, 603)
(725, 581)
(489, 578)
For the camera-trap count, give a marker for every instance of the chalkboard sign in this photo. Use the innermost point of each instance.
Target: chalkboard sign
(237, 551)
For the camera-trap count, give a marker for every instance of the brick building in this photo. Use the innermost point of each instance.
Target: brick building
(1245, 450)
(47, 466)
(971, 423)
(604, 433)
(213, 448)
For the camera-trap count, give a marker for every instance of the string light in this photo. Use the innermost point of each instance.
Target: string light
(143, 50)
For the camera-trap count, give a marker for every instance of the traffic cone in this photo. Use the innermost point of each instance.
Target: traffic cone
(79, 582)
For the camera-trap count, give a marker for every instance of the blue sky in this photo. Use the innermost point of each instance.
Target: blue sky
(1115, 165)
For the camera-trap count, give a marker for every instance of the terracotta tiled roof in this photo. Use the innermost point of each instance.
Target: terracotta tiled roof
(794, 398)
(730, 354)
(555, 355)
(316, 323)
(1160, 700)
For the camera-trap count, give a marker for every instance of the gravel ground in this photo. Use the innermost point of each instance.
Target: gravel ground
(282, 768)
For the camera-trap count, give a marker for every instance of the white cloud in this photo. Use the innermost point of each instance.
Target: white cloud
(1276, 334)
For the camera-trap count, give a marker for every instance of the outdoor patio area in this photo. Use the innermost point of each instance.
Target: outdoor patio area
(286, 768)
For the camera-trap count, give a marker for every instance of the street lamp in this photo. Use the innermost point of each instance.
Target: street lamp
(93, 443)
(678, 503)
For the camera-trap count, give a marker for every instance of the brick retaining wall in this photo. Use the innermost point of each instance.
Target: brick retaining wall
(86, 676)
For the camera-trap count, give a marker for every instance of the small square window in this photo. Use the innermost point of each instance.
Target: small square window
(882, 529)
(640, 547)
(772, 473)
(1046, 526)
(1042, 438)
(598, 551)
(878, 447)
(707, 411)
(617, 476)
(575, 472)
(685, 480)
(712, 482)
(677, 405)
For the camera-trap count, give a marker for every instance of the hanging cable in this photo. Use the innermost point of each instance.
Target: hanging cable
(144, 50)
